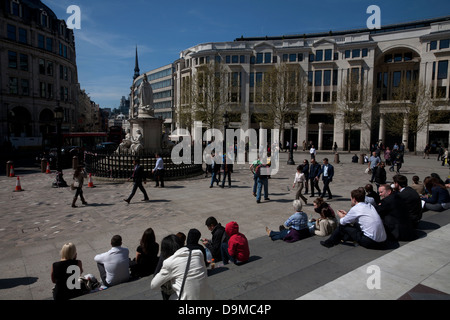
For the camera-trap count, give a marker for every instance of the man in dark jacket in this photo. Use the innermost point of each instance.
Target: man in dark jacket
(409, 198)
(138, 177)
(396, 221)
(327, 172)
(314, 171)
(218, 237)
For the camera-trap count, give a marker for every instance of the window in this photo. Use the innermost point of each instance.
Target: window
(335, 77)
(433, 45)
(49, 91)
(444, 44)
(259, 58)
(23, 36)
(43, 89)
(13, 86)
(327, 77)
(407, 56)
(300, 57)
(252, 80)
(364, 52)
(23, 60)
(41, 66)
(336, 56)
(319, 55)
(388, 58)
(44, 19)
(16, 8)
(310, 78)
(234, 59)
(242, 59)
(396, 78)
(318, 78)
(347, 54)
(268, 57)
(292, 57)
(49, 68)
(49, 44)
(12, 59)
(252, 60)
(398, 57)
(311, 57)
(218, 59)
(11, 30)
(41, 41)
(328, 54)
(356, 53)
(25, 86)
(285, 57)
(442, 69)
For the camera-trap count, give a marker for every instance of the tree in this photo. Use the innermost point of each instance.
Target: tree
(281, 95)
(413, 109)
(354, 103)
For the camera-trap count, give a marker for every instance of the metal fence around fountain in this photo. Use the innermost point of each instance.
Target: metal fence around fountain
(120, 165)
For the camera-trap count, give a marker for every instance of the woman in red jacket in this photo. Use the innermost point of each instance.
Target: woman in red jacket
(236, 249)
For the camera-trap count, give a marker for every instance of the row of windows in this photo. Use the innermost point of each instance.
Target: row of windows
(22, 87)
(160, 74)
(356, 53)
(323, 77)
(46, 43)
(21, 62)
(442, 70)
(163, 105)
(443, 44)
(398, 57)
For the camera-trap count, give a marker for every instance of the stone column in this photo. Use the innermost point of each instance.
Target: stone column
(381, 130)
(320, 146)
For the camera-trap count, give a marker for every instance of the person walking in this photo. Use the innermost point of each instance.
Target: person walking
(78, 180)
(262, 173)
(299, 181)
(327, 172)
(215, 167)
(314, 171)
(158, 171)
(138, 177)
(227, 170)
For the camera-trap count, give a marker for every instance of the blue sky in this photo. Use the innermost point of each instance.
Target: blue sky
(110, 30)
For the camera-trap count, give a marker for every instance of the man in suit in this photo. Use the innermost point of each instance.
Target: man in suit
(327, 172)
(138, 177)
(409, 197)
(396, 221)
(314, 172)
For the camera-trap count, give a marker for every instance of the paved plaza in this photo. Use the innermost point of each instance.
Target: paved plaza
(35, 223)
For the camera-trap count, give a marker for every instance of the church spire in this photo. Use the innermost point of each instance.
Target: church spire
(136, 67)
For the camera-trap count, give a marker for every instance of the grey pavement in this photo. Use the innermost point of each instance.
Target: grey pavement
(35, 223)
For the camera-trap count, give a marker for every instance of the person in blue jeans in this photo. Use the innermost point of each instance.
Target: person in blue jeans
(262, 172)
(215, 170)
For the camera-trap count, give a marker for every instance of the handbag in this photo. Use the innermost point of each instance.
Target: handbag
(185, 274)
(75, 185)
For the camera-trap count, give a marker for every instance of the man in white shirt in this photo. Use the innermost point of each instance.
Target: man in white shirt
(114, 265)
(361, 224)
(312, 152)
(158, 171)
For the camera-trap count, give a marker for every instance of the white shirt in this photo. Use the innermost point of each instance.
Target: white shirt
(299, 178)
(117, 264)
(368, 219)
(159, 164)
(312, 151)
(173, 269)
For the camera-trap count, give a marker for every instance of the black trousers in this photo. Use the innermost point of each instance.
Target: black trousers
(315, 184)
(159, 177)
(326, 188)
(136, 185)
(353, 232)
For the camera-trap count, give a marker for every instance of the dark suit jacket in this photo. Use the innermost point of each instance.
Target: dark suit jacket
(138, 174)
(395, 219)
(314, 170)
(330, 172)
(411, 203)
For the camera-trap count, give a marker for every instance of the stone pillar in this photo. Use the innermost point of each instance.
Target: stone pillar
(320, 146)
(381, 129)
(405, 131)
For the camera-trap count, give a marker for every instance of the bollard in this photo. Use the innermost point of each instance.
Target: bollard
(43, 165)
(336, 158)
(75, 162)
(8, 167)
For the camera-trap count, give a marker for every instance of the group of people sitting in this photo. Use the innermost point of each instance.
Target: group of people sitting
(179, 265)
(375, 218)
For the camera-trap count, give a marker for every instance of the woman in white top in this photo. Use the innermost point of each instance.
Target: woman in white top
(299, 180)
(173, 269)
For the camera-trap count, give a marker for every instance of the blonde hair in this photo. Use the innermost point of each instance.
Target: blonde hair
(68, 251)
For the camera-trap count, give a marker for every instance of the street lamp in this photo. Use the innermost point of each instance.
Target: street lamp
(291, 147)
(59, 117)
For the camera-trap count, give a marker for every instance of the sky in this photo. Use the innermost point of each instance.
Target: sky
(111, 30)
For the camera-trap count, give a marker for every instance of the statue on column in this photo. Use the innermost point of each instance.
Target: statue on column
(145, 97)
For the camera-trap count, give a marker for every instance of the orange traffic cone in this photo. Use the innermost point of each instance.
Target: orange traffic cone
(48, 168)
(11, 172)
(18, 186)
(90, 183)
